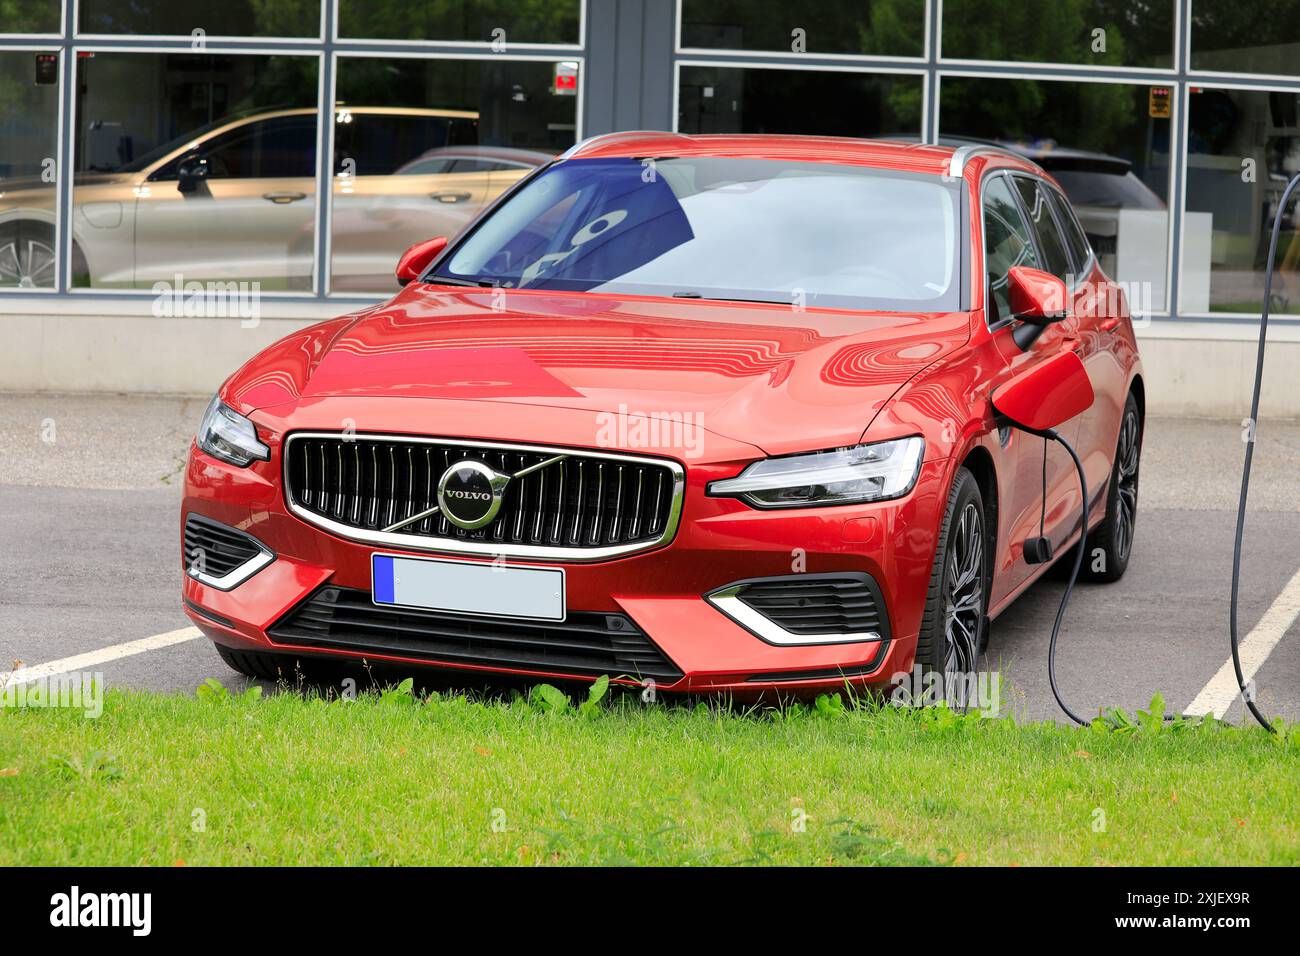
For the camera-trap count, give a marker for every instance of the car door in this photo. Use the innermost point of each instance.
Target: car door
(405, 186)
(252, 218)
(1028, 464)
(1099, 311)
(1064, 499)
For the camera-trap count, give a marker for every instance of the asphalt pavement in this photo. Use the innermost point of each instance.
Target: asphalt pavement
(90, 496)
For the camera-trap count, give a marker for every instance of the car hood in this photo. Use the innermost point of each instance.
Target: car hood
(771, 376)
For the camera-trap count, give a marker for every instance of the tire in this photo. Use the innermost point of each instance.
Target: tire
(954, 626)
(272, 667)
(1110, 544)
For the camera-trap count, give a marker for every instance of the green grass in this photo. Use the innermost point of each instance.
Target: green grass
(399, 778)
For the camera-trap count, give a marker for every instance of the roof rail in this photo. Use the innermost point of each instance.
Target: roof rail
(957, 163)
(583, 144)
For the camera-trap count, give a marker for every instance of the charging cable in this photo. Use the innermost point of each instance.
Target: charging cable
(1074, 576)
(1051, 433)
(1234, 639)
(1247, 693)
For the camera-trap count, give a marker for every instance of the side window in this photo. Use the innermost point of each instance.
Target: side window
(272, 149)
(383, 142)
(287, 149)
(1074, 234)
(1048, 234)
(1006, 244)
(475, 166)
(427, 167)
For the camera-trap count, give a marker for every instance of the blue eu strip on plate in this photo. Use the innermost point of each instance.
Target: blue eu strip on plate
(381, 567)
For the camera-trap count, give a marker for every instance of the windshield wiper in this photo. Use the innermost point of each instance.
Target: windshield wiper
(727, 298)
(447, 280)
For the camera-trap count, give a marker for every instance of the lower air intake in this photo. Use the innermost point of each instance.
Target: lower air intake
(215, 548)
(587, 644)
(816, 604)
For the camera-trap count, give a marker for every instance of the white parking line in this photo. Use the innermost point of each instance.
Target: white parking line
(1222, 690)
(81, 662)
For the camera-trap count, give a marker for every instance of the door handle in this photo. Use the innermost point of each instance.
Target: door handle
(449, 197)
(281, 198)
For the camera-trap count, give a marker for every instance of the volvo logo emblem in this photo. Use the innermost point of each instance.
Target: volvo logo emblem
(470, 493)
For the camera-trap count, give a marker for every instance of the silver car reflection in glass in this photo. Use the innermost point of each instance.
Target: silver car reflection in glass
(235, 201)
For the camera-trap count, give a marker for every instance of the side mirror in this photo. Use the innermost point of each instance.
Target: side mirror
(1050, 393)
(1037, 300)
(417, 259)
(191, 171)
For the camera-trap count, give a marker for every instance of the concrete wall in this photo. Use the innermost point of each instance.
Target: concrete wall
(1193, 369)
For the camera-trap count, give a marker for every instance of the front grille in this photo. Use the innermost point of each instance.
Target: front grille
(819, 603)
(587, 643)
(584, 503)
(214, 549)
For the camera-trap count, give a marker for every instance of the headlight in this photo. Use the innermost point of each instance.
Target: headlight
(228, 435)
(874, 472)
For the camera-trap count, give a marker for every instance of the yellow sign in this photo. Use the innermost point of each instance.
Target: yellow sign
(1158, 102)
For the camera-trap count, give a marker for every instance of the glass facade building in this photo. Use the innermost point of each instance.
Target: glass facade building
(303, 144)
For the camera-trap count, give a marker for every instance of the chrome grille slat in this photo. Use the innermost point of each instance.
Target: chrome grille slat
(654, 515)
(577, 518)
(356, 484)
(559, 508)
(428, 489)
(523, 506)
(392, 487)
(338, 482)
(324, 495)
(574, 505)
(306, 478)
(410, 482)
(444, 526)
(540, 511)
(618, 507)
(636, 515)
(374, 487)
(600, 502)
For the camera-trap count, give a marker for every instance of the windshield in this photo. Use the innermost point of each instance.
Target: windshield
(754, 230)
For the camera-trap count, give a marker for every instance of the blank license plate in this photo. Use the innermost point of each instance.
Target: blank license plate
(464, 587)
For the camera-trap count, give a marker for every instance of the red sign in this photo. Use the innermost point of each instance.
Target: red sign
(566, 79)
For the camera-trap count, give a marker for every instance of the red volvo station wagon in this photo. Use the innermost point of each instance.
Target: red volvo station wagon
(708, 412)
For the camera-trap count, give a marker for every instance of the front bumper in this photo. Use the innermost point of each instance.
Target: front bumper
(663, 592)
